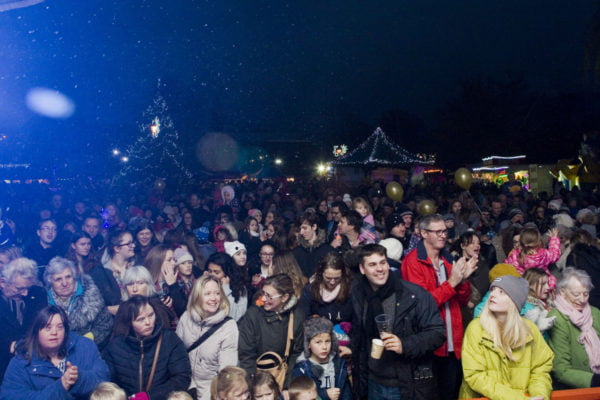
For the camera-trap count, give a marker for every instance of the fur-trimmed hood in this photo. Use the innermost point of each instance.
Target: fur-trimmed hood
(86, 310)
(319, 240)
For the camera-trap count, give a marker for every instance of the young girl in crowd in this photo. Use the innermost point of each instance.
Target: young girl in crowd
(532, 254)
(540, 300)
(250, 236)
(321, 361)
(221, 235)
(265, 387)
(362, 206)
(230, 384)
(184, 264)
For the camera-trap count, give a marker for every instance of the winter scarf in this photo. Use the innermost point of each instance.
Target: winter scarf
(375, 300)
(329, 296)
(583, 320)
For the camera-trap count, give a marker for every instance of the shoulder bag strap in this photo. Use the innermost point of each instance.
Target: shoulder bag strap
(207, 334)
(290, 335)
(151, 377)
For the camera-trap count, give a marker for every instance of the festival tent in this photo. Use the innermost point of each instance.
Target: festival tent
(377, 151)
(380, 159)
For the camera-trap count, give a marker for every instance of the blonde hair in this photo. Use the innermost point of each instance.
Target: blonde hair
(197, 295)
(512, 334)
(531, 241)
(229, 378)
(301, 384)
(108, 391)
(364, 202)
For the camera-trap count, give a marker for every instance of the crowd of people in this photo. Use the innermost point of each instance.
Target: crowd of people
(270, 290)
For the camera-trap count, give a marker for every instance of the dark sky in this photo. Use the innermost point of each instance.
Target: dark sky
(265, 68)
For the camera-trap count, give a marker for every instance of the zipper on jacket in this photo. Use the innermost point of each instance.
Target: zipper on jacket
(140, 366)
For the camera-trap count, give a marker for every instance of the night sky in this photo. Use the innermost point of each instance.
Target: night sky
(267, 69)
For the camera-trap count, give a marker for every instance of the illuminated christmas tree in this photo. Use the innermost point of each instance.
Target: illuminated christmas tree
(155, 159)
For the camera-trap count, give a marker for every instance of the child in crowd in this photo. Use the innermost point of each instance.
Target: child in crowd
(108, 391)
(368, 231)
(303, 388)
(184, 264)
(532, 254)
(265, 387)
(320, 361)
(230, 384)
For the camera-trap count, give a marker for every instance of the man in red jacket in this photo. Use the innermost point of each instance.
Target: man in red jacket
(431, 266)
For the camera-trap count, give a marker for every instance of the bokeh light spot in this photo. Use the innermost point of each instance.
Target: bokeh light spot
(217, 151)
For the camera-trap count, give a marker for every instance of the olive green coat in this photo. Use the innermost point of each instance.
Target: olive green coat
(571, 366)
(489, 373)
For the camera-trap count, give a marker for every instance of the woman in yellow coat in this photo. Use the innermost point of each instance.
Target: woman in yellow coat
(504, 355)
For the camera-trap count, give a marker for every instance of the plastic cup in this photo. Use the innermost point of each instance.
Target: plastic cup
(384, 323)
(376, 348)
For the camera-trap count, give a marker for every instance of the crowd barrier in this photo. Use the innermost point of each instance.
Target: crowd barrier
(571, 394)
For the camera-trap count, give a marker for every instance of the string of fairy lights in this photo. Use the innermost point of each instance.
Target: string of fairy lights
(378, 149)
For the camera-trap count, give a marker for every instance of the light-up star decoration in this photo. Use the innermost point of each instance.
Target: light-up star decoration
(155, 127)
(340, 150)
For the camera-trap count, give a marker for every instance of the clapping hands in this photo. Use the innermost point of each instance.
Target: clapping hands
(70, 376)
(462, 270)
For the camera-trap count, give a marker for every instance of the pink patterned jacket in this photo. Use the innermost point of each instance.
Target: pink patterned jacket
(541, 259)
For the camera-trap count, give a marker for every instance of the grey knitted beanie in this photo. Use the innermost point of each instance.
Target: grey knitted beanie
(516, 288)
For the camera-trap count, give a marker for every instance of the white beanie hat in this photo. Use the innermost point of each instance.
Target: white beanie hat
(182, 255)
(233, 247)
(394, 248)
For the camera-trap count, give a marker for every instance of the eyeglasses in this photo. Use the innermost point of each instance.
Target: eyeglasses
(270, 297)
(440, 232)
(266, 254)
(130, 244)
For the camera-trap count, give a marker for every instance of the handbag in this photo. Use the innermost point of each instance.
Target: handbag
(144, 395)
(207, 334)
(272, 362)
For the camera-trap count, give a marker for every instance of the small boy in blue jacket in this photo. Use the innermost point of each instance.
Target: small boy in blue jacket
(320, 361)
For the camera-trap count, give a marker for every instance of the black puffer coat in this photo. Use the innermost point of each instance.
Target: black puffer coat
(129, 357)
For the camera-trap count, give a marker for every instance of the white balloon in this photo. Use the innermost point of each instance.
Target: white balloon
(49, 103)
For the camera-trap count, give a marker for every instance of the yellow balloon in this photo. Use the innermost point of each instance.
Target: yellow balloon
(463, 178)
(394, 191)
(426, 207)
